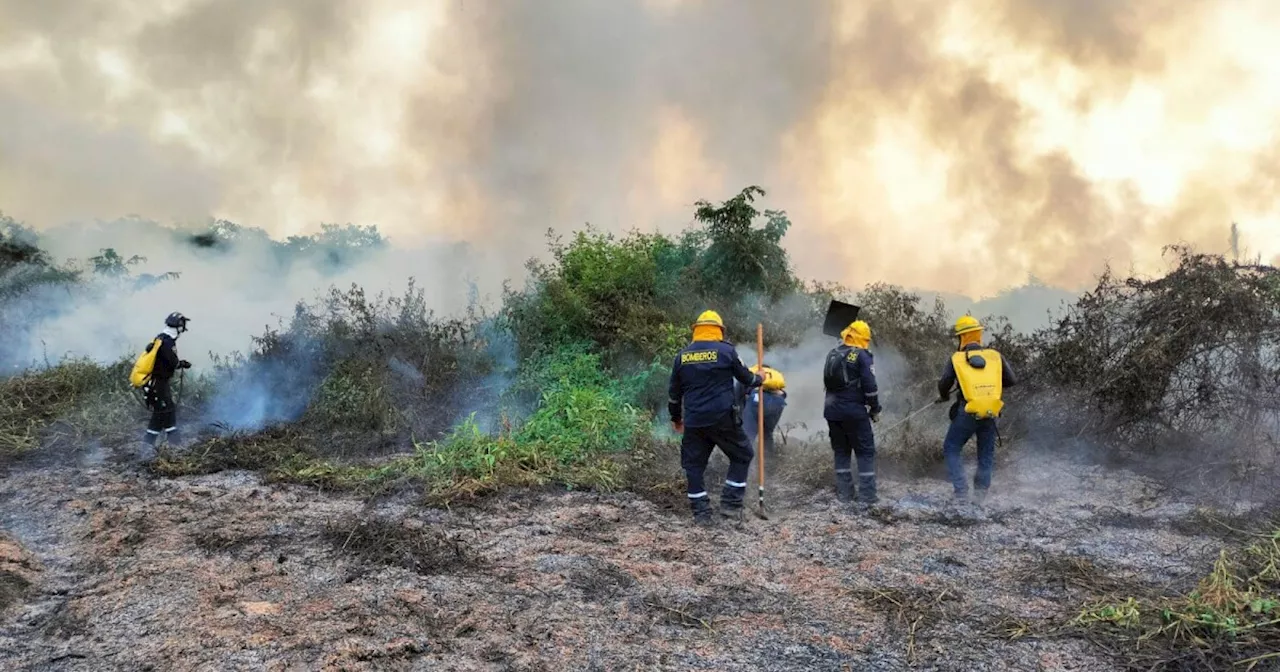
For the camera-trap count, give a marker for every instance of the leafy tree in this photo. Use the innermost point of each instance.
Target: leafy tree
(111, 264)
(23, 265)
(332, 249)
(738, 259)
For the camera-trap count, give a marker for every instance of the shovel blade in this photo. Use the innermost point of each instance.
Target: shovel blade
(839, 316)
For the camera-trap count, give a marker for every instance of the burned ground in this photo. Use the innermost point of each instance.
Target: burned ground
(522, 507)
(122, 570)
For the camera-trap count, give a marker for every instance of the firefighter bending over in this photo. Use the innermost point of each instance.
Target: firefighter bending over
(774, 389)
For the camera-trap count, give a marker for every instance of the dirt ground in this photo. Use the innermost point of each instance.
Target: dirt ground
(103, 567)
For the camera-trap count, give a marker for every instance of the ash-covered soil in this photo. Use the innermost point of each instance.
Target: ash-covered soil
(105, 568)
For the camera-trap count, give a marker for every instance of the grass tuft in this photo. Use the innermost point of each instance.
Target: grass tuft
(1231, 620)
(77, 400)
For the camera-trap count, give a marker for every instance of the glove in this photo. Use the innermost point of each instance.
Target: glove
(184, 364)
(942, 400)
(875, 416)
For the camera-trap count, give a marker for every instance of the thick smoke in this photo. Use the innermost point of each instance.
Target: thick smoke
(961, 146)
(801, 366)
(230, 294)
(1027, 308)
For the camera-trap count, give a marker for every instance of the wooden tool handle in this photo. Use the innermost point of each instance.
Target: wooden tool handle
(760, 405)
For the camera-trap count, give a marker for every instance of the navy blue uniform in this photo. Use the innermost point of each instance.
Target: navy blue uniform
(848, 413)
(774, 404)
(158, 392)
(853, 401)
(701, 391)
(964, 425)
(702, 395)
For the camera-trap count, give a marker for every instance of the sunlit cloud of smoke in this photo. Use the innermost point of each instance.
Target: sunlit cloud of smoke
(954, 145)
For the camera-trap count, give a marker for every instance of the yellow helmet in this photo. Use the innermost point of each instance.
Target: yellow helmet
(857, 333)
(773, 379)
(967, 324)
(710, 317)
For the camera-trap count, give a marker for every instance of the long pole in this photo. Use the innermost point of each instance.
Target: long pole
(760, 410)
(904, 420)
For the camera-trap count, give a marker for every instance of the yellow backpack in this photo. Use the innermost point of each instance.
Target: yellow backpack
(145, 364)
(982, 387)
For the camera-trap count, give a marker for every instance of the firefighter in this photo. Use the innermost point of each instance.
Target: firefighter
(852, 403)
(981, 375)
(706, 409)
(774, 389)
(158, 393)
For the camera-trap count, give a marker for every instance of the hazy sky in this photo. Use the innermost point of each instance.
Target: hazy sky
(957, 145)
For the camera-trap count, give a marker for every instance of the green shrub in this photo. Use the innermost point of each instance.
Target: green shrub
(583, 409)
(353, 397)
(631, 298)
(597, 289)
(74, 400)
(582, 425)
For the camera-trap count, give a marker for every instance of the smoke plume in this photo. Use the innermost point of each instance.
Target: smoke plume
(801, 367)
(962, 146)
(229, 294)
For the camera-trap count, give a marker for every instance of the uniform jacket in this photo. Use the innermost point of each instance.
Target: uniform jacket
(701, 392)
(167, 358)
(862, 395)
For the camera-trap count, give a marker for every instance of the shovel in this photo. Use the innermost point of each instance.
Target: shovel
(839, 315)
(760, 510)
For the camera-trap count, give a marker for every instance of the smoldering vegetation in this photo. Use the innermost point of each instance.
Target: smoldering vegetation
(1160, 370)
(563, 384)
(1182, 370)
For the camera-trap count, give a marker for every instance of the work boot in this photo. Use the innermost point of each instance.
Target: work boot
(867, 490)
(702, 511)
(147, 447)
(844, 487)
(731, 502)
(959, 505)
(979, 496)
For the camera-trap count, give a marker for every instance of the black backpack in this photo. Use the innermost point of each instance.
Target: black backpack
(835, 373)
